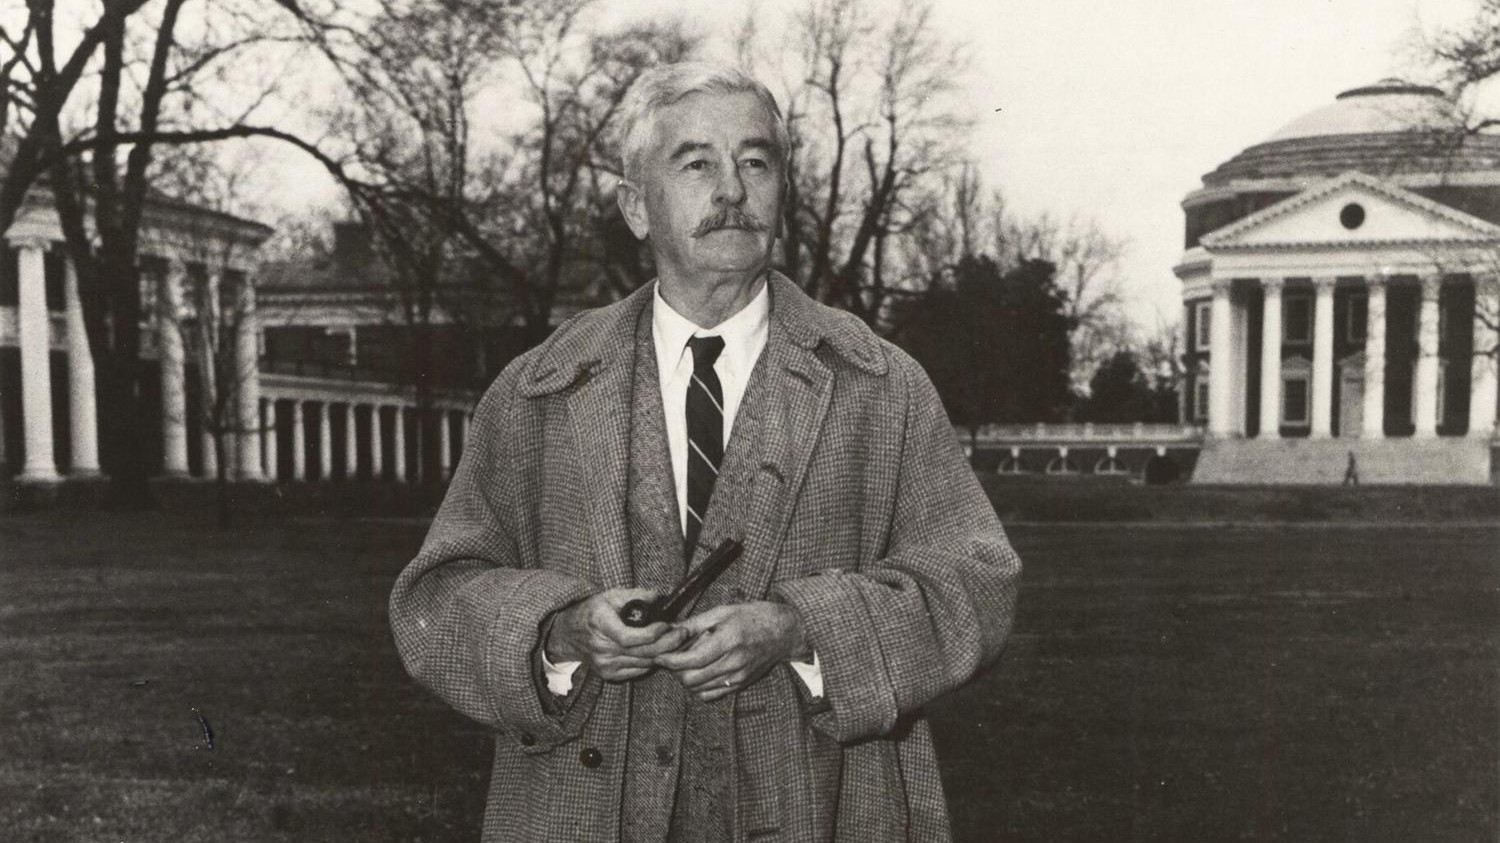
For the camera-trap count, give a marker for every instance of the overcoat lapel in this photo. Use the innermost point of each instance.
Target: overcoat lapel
(791, 421)
(655, 501)
(601, 432)
(598, 367)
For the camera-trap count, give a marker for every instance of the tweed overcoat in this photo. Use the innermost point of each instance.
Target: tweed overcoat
(863, 514)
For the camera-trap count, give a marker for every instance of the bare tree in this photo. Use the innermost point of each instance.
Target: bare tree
(1160, 351)
(556, 209)
(874, 130)
(525, 213)
(1467, 60)
(412, 71)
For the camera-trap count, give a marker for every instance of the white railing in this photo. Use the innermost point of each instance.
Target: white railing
(1086, 433)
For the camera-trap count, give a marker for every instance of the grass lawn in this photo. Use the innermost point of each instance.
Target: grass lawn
(1315, 683)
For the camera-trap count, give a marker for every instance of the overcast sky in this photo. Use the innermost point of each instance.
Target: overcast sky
(1115, 110)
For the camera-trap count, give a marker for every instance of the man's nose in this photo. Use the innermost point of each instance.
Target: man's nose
(730, 189)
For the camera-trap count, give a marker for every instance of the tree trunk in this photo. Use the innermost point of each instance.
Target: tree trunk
(221, 479)
(123, 409)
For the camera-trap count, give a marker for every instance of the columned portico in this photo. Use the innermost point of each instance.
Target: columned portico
(325, 419)
(1270, 359)
(1322, 367)
(1425, 379)
(1373, 413)
(1366, 253)
(1482, 389)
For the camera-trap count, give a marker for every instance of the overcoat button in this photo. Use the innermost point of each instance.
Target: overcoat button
(664, 755)
(528, 739)
(591, 758)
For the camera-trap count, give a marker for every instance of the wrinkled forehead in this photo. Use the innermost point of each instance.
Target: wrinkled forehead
(712, 120)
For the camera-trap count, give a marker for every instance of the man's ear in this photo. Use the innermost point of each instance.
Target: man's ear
(632, 202)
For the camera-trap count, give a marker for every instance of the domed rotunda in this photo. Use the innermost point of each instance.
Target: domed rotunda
(1339, 287)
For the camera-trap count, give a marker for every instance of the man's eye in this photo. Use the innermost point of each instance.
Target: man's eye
(696, 164)
(755, 163)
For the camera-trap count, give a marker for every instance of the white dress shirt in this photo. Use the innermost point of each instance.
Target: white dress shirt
(744, 336)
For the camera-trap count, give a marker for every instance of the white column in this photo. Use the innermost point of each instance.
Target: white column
(1239, 366)
(247, 390)
(416, 467)
(325, 441)
(1482, 381)
(34, 329)
(377, 459)
(1425, 382)
(351, 444)
(1373, 412)
(173, 380)
(445, 443)
(299, 443)
(84, 415)
(1322, 367)
(210, 313)
(398, 432)
(272, 460)
(210, 452)
(1220, 362)
(1270, 360)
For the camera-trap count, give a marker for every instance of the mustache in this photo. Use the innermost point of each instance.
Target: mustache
(729, 217)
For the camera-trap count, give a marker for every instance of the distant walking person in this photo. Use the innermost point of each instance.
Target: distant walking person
(718, 402)
(1351, 473)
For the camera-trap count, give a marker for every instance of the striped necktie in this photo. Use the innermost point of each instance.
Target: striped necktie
(705, 430)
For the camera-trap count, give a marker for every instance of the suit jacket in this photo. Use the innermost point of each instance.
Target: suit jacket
(862, 513)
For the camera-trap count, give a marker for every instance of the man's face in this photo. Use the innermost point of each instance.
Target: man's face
(712, 182)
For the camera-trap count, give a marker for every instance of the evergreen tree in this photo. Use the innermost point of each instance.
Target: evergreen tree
(1119, 392)
(995, 343)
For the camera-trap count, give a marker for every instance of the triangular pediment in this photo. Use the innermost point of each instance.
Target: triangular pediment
(1354, 209)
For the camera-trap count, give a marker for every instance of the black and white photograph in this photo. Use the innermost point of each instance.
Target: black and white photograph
(822, 421)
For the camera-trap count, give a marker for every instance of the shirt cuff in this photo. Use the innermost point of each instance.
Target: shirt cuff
(811, 674)
(560, 675)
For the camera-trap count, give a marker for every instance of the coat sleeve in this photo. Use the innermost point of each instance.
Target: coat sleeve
(924, 619)
(466, 612)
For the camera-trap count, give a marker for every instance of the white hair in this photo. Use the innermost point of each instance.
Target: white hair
(662, 86)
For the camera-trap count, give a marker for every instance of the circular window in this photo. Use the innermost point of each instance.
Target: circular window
(1352, 216)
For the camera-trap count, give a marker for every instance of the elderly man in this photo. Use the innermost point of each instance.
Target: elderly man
(718, 402)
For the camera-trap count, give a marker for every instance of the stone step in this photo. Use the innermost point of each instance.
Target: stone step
(1442, 461)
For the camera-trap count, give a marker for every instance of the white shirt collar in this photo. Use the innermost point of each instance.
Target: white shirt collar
(744, 333)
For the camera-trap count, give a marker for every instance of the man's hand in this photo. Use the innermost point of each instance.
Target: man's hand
(591, 631)
(735, 645)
